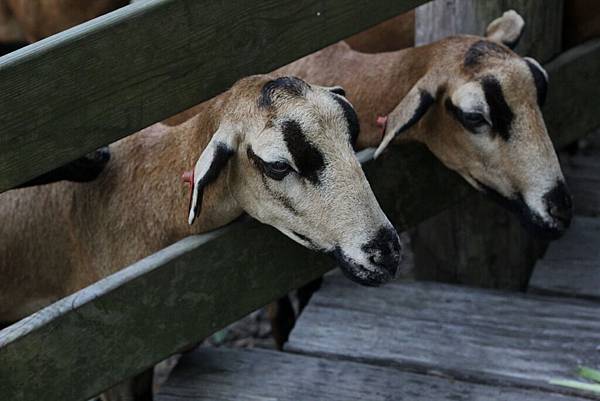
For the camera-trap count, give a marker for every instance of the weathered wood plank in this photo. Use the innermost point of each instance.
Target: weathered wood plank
(571, 267)
(572, 109)
(581, 173)
(91, 85)
(469, 334)
(87, 342)
(251, 375)
(543, 22)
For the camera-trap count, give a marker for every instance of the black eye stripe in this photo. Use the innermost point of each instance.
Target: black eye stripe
(500, 113)
(338, 90)
(482, 49)
(308, 159)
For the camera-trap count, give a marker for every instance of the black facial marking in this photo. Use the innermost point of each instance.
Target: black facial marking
(356, 272)
(481, 49)
(338, 90)
(384, 250)
(539, 79)
(500, 113)
(221, 155)
(425, 101)
(530, 220)
(559, 203)
(291, 86)
(308, 158)
(284, 200)
(351, 118)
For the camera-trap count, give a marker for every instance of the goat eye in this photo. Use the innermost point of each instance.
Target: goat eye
(277, 170)
(474, 119)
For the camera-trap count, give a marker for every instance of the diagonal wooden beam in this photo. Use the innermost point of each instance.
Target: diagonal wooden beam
(88, 86)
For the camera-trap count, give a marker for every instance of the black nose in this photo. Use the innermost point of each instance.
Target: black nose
(559, 204)
(384, 250)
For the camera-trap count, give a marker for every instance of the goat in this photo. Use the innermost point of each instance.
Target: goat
(284, 148)
(471, 100)
(276, 149)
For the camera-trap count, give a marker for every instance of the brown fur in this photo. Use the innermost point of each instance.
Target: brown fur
(41, 18)
(384, 79)
(394, 34)
(10, 31)
(136, 207)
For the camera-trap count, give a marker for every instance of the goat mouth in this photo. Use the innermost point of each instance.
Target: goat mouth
(360, 274)
(531, 220)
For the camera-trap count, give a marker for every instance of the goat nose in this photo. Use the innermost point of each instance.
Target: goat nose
(559, 203)
(560, 213)
(385, 250)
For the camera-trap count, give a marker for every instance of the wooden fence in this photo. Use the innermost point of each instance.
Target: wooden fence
(110, 77)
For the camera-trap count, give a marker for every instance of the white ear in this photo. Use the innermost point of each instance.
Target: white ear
(212, 160)
(506, 29)
(408, 112)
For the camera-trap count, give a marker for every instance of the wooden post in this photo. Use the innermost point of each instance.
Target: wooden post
(477, 242)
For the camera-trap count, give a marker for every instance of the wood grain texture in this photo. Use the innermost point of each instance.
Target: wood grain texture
(251, 375)
(475, 335)
(572, 109)
(543, 22)
(85, 343)
(408, 194)
(107, 78)
(581, 174)
(571, 267)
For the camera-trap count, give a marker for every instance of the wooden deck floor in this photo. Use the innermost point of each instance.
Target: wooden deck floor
(423, 341)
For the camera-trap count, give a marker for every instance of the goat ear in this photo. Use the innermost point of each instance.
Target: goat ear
(507, 29)
(211, 162)
(408, 112)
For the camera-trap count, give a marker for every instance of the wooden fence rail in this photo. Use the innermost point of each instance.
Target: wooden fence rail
(110, 77)
(115, 328)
